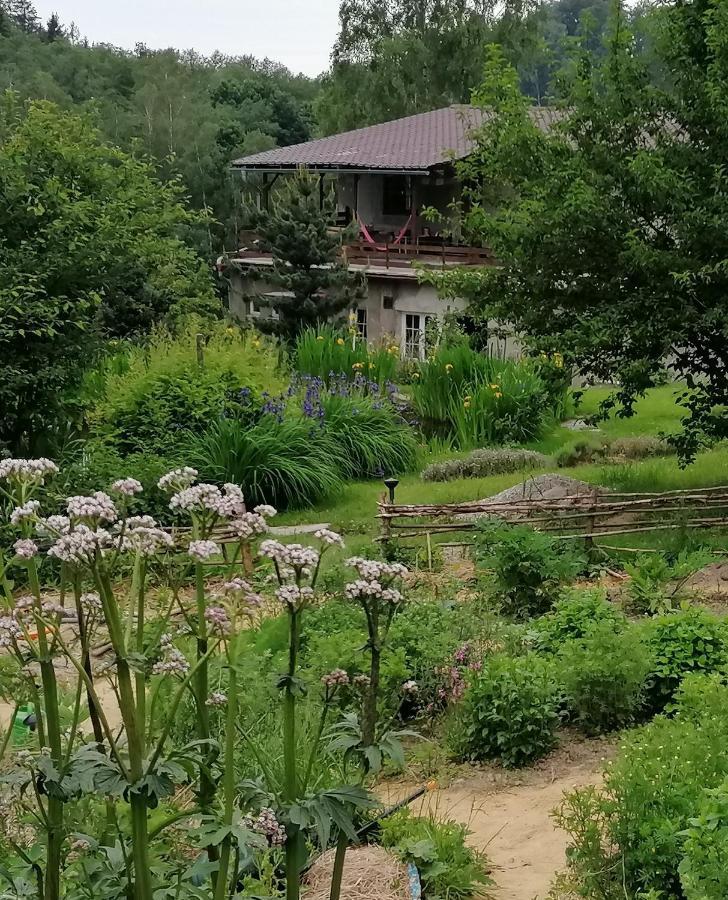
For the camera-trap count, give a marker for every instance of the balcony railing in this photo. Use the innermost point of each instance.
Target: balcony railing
(396, 256)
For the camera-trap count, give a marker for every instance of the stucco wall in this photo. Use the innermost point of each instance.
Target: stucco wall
(407, 297)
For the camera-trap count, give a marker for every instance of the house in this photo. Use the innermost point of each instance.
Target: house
(385, 176)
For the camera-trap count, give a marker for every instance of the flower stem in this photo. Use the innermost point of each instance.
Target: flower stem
(229, 770)
(338, 871)
(294, 842)
(207, 785)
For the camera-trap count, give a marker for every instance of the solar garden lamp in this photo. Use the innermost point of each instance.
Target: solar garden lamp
(391, 484)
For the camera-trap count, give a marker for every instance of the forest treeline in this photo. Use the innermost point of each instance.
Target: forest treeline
(192, 114)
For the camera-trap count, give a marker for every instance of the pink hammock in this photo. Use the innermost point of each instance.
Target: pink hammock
(370, 240)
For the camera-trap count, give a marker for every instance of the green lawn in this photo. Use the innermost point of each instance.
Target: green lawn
(353, 511)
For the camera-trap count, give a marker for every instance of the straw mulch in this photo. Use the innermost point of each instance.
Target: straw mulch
(370, 873)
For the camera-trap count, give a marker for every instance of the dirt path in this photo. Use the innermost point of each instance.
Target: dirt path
(509, 814)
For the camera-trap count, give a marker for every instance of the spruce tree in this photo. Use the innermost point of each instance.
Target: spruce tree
(313, 283)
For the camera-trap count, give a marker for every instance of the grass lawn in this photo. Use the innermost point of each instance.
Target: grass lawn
(354, 509)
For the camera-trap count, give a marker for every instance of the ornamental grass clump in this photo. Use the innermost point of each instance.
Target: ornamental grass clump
(329, 353)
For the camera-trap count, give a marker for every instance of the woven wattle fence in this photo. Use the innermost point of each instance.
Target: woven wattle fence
(588, 515)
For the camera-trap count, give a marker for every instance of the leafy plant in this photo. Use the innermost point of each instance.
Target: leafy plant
(449, 869)
(327, 352)
(292, 462)
(628, 837)
(575, 615)
(529, 567)
(704, 866)
(482, 463)
(371, 438)
(603, 676)
(509, 711)
(162, 392)
(690, 640)
(656, 582)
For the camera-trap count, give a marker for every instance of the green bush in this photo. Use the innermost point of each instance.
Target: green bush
(449, 869)
(691, 640)
(290, 463)
(372, 439)
(576, 615)
(603, 677)
(582, 450)
(479, 400)
(509, 711)
(529, 567)
(704, 867)
(627, 838)
(656, 581)
(482, 463)
(326, 352)
(161, 392)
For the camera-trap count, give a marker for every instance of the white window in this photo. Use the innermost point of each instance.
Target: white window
(361, 323)
(417, 334)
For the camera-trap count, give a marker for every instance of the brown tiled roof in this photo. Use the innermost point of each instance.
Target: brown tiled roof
(415, 143)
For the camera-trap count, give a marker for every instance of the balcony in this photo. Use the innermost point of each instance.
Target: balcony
(386, 257)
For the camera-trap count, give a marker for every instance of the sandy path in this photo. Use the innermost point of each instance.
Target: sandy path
(509, 815)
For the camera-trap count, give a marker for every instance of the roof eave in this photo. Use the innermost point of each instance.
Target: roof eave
(337, 169)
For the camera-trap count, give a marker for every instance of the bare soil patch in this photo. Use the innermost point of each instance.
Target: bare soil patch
(509, 813)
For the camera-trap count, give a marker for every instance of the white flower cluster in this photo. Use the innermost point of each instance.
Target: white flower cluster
(265, 510)
(369, 585)
(217, 618)
(227, 504)
(127, 487)
(239, 589)
(26, 511)
(142, 535)
(249, 525)
(267, 824)
(293, 596)
(80, 545)
(173, 661)
(202, 550)
(328, 537)
(53, 526)
(25, 548)
(177, 479)
(410, 688)
(27, 471)
(372, 569)
(91, 601)
(294, 555)
(9, 631)
(216, 698)
(98, 507)
(335, 678)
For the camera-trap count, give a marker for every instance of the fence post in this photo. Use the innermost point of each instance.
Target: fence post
(200, 348)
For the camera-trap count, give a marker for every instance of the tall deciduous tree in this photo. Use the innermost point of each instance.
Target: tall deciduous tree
(612, 230)
(90, 248)
(313, 284)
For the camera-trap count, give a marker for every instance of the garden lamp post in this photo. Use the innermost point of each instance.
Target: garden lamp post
(391, 484)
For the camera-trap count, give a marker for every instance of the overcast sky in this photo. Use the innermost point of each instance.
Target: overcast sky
(298, 33)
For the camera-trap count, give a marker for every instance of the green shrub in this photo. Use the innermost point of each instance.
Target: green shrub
(482, 463)
(290, 463)
(691, 640)
(449, 869)
(161, 392)
(576, 615)
(509, 711)
(627, 838)
(704, 867)
(372, 439)
(638, 447)
(510, 408)
(656, 581)
(326, 352)
(529, 567)
(603, 676)
(582, 450)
